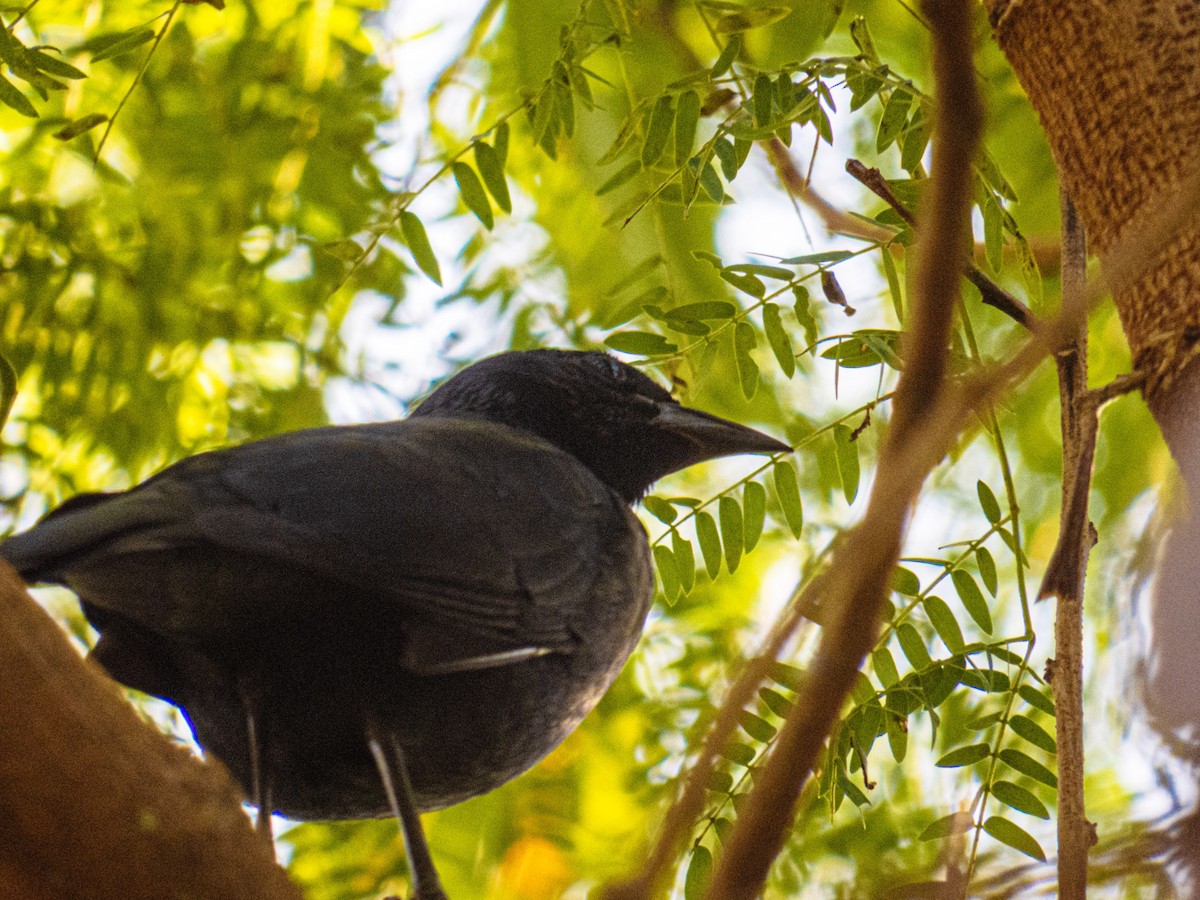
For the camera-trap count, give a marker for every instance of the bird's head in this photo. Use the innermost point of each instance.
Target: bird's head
(618, 422)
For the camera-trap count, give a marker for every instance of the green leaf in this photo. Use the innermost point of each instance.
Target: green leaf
(660, 508)
(108, 46)
(642, 343)
(915, 140)
(80, 126)
(847, 460)
(418, 244)
(51, 65)
(754, 17)
(762, 97)
(964, 756)
(987, 502)
(8, 389)
(905, 581)
(857, 797)
(757, 727)
(727, 157)
(658, 131)
(787, 675)
(955, 823)
(712, 183)
(913, 646)
(710, 543)
(728, 54)
(685, 559)
(664, 562)
(1033, 732)
(730, 515)
(825, 257)
(775, 702)
(747, 284)
(754, 510)
(775, 272)
(778, 339)
(738, 753)
(1036, 699)
(987, 569)
(619, 177)
(487, 160)
(1019, 799)
(472, 194)
(897, 735)
(944, 623)
(893, 120)
(993, 234)
(1028, 766)
(972, 599)
(500, 142)
(12, 97)
(1031, 276)
(744, 340)
(893, 280)
(787, 488)
(687, 117)
(345, 250)
(698, 874)
(708, 309)
(885, 667)
(1014, 836)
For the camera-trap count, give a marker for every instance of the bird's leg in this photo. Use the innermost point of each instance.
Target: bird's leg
(389, 759)
(260, 780)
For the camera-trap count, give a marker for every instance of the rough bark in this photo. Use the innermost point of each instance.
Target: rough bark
(96, 803)
(1117, 85)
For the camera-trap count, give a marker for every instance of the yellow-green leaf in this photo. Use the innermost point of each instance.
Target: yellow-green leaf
(788, 489)
(730, 515)
(487, 160)
(473, 194)
(418, 244)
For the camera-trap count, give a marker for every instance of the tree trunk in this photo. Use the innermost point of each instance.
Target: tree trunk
(1116, 84)
(96, 803)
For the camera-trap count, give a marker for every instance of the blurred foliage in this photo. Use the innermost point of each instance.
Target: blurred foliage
(593, 174)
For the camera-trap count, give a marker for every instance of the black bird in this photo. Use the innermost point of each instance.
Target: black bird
(433, 603)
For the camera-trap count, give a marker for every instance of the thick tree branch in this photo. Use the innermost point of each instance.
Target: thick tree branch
(95, 802)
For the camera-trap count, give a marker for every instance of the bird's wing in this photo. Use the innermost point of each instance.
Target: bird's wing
(486, 538)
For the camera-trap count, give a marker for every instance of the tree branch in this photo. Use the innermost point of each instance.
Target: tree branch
(993, 295)
(95, 802)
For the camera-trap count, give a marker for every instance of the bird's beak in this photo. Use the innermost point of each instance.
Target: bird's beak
(712, 436)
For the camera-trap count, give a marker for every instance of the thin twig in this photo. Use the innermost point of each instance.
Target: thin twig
(993, 295)
(112, 120)
(1067, 569)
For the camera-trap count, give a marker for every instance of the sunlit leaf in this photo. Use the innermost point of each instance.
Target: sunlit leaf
(1033, 732)
(1028, 766)
(754, 511)
(487, 160)
(664, 562)
(778, 339)
(658, 131)
(744, 340)
(418, 244)
(730, 516)
(847, 460)
(787, 488)
(972, 599)
(710, 543)
(1014, 836)
(964, 756)
(944, 623)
